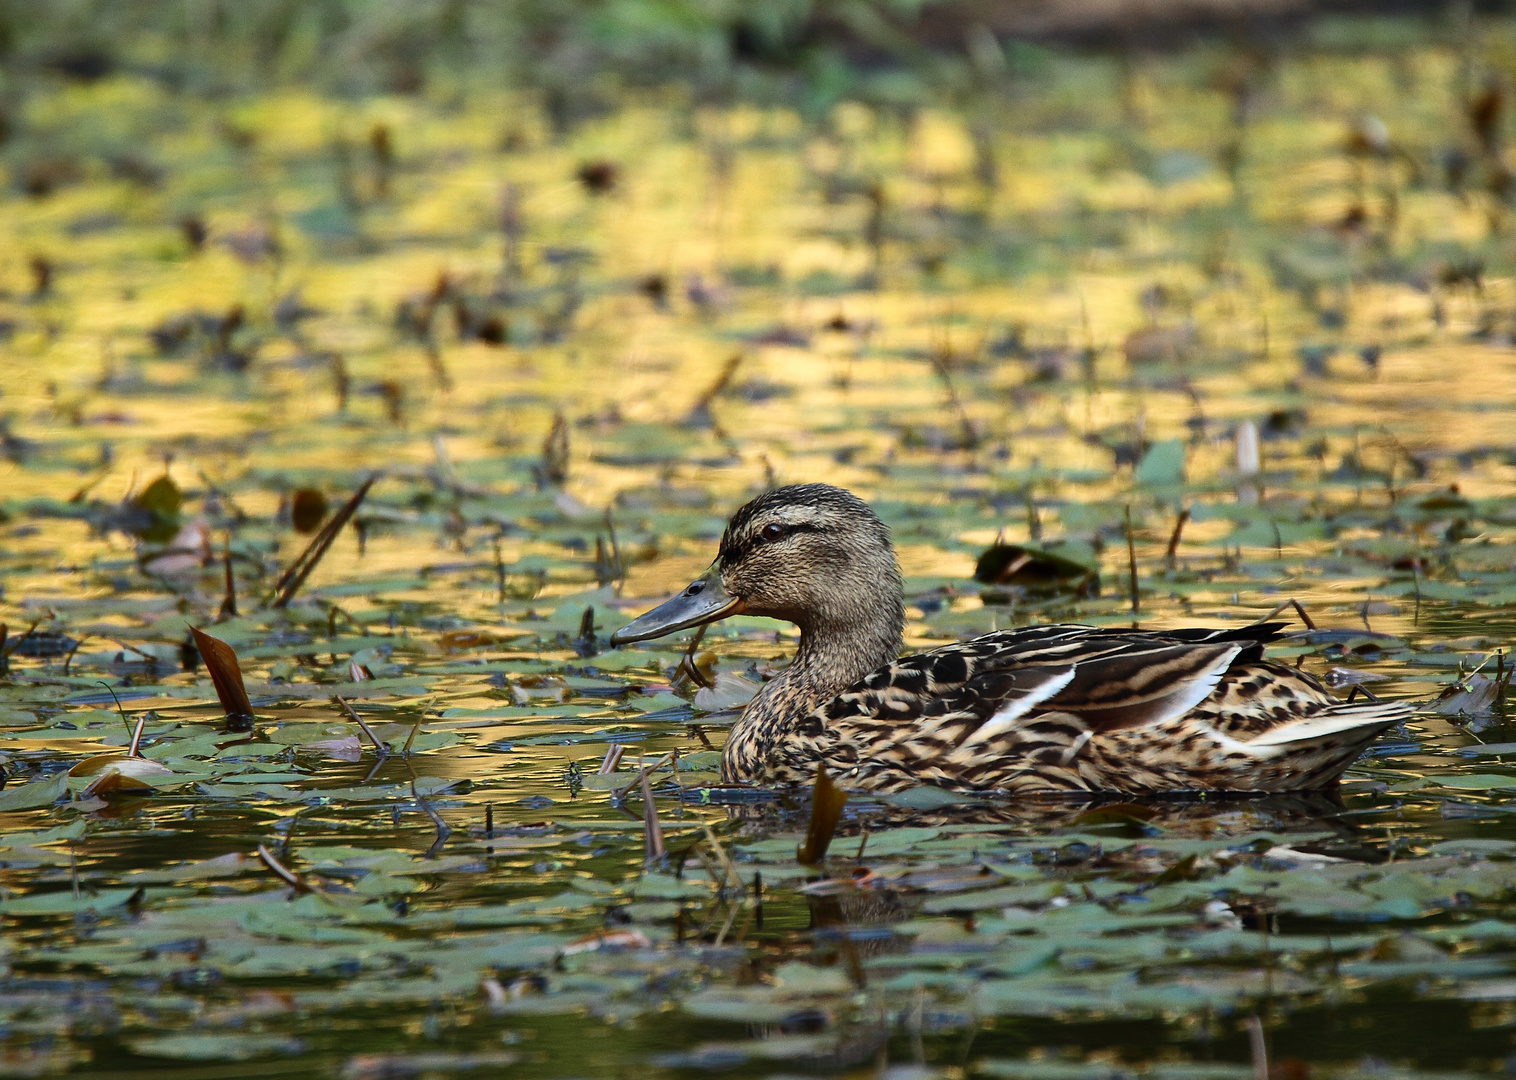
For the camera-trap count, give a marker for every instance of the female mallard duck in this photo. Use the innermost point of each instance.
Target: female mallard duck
(1045, 708)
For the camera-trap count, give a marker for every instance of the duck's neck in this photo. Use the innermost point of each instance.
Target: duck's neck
(834, 654)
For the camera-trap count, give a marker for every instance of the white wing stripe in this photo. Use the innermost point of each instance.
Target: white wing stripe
(1193, 691)
(1013, 711)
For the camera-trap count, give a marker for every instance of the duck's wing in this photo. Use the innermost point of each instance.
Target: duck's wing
(971, 691)
(1033, 698)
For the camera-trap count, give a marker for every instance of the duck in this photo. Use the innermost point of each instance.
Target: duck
(1043, 709)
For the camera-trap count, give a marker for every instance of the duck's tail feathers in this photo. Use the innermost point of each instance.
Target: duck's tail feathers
(1336, 724)
(1252, 637)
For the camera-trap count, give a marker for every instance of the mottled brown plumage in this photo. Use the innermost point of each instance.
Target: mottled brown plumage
(1041, 709)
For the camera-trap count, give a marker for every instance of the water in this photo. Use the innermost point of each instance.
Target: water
(969, 374)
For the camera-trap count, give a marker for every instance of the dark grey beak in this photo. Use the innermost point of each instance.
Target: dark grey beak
(702, 601)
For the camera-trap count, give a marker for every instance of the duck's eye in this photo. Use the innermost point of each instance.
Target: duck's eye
(772, 532)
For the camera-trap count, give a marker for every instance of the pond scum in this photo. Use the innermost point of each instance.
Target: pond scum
(1255, 303)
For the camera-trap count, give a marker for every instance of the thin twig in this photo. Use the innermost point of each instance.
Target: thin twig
(380, 748)
(1131, 561)
(1292, 602)
(289, 834)
(939, 362)
(443, 832)
(288, 876)
(229, 601)
(726, 862)
(731, 915)
(616, 567)
(70, 658)
(642, 775)
(1173, 548)
(11, 650)
(653, 835)
(713, 869)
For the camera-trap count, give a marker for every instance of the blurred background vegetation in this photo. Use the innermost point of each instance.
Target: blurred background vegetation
(580, 55)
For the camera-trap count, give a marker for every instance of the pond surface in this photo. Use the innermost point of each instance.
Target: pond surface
(567, 359)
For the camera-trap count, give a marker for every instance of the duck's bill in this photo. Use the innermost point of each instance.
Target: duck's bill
(702, 601)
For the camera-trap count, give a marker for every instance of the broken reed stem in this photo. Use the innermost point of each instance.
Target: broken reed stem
(1131, 561)
(289, 834)
(352, 714)
(229, 601)
(439, 370)
(611, 760)
(717, 388)
(282, 872)
(134, 750)
(1300, 611)
(711, 868)
(14, 645)
(616, 568)
(731, 916)
(653, 832)
(69, 660)
(443, 832)
(1172, 553)
(970, 437)
(726, 862)
(295, 576)
(642, 775)
(1503, 680)
(1256, 1045)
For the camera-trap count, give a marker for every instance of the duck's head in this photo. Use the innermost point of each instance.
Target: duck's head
(810, 554)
